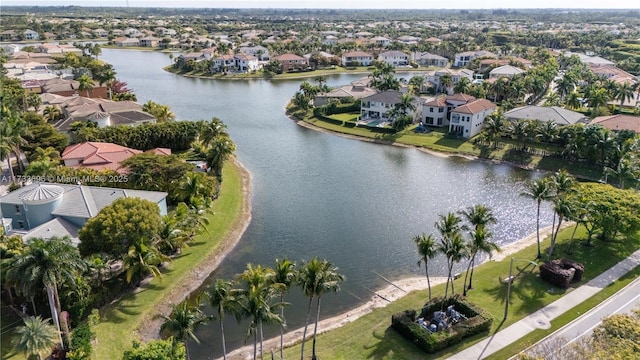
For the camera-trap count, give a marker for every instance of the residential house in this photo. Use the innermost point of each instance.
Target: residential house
(356, 58)
(516, 61)
(380, 41)
(57, 49)
(592, 61)
(126, 41)
(330, 40)
(245, 62)
(163, 31)
(30, 35)
(464, 58)
(467, 120)
(64, 87)
(10, 49)
(428, 59)
(614, 74)
(434, 78)
(344, 93)
(376, 107)
(292, 62)
(394, 58)
(150, 41)
(554, 114)
(506, 71)
(433, 40)
(408, 40)
(48, 209)
(9, 35)
(437, 112)
(260, 52)
(97, 156)
(131, 32)
(100, 33)
(618, 122)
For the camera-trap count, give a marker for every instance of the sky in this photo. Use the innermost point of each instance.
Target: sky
(345, 4)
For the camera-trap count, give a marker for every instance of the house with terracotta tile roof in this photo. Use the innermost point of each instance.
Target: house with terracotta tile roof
(351, 91)
(618, 122)
(437, 112)
(467, 120)
(97, 156)
(292, 62)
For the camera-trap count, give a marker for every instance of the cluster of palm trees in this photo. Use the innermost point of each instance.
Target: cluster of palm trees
(161, 112)
(618, 153)
(555, 188)
(308, 91)
(451, 242)
(258, 295)
(214, 146)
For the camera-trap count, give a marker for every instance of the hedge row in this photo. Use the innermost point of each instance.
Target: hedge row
(405, 324)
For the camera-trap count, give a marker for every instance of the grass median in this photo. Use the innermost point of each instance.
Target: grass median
(376, 340)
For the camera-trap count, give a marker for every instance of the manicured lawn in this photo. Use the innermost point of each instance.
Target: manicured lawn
(438, 140)
(119, 321)
(375, 339)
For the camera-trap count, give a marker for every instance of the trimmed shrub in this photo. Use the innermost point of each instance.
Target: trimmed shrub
(81, 342)
(477, 322)
(561, 272)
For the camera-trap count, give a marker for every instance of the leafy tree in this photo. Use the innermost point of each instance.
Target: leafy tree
(148, 171)
(427, 249)
(183, 321)
(35, 336)
(167, 349)
(118, 226)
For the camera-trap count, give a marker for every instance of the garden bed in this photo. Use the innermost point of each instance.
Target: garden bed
(441, 323)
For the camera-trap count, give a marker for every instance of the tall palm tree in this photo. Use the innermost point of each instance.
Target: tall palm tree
(35, 336)
(598, 98)
(573, 100)
(316, 277)
(286, 275)
(218, 153)
(210, 130)
(255, 302)
(427, 249)
(222, 299)
(462, 86)
(479, 217)
(494, 126)
(142, 258)
(539, 190)
(445, 82)
(451, 243)
(183, 321)
(479, 244)
(564, 209)
(52, 113)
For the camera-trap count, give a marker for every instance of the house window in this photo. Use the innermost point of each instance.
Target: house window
(430, 109)
(18, 212)
(20, 224)
(439, 121)
(440, 110)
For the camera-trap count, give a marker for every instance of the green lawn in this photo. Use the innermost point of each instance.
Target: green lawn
(119, 321)
(437, 140)
(376, 340)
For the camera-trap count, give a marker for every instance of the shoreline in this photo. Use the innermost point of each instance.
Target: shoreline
(149, 327)
(390, 292)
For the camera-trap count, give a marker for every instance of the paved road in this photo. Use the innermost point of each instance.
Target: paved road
(621, 302)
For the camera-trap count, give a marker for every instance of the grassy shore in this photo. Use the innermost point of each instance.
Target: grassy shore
(121, 322)
(376, 339)
(439, 141)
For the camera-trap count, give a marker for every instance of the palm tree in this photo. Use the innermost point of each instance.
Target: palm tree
(222, 299)
(479, 216)
(143, 257)
(183, 321)
(445, 82)
(35, 336)
(5, 146)
(211, 130)
(51, 113)
(49, 264)
(597, 98)
(462, 86)
(451, 243)
(316, 277)
(218, 153)
(624, 92)
(192, 189)
(494, 127)
(539, 190)
(479, 244)
(573, 100)
(285, 275)
(564, 209)
(254, 301)
(86, 84)
(427, 249)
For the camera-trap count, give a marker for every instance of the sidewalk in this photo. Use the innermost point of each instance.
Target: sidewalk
(541, 318)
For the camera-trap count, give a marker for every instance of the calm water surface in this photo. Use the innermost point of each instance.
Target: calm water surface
(354, 203)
